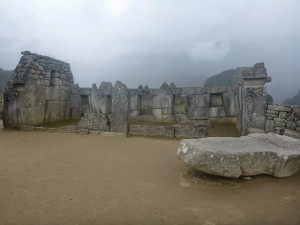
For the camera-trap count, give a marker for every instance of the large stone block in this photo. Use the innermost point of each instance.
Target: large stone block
(292, 133)
(230, 104)
(198, 113)
(272, 113)
(157, 115)
(52, 93)
(250, 155)
(167, 111)
(282, 115)
(75, 113)
(35, 115)
(105, 103)
(253, 112)
(162, 100)
(291, 125)
(64, 95)
(55, 82)
(270, 126)
(279, 108)
(120, 108)
(75, 101)
(217, 112)
(57, 110)
(199, 101)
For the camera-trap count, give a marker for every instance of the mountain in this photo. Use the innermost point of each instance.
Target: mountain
(147, 69)
(221, 79)
(4, 77)
(225, 78)
(293, 101)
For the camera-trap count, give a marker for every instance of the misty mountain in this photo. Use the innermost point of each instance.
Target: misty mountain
(154, 69)
(293, 101)
(222, 79)
(225, 78)
(4, 77)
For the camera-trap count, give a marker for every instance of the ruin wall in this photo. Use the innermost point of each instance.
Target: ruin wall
(283, 120)
(42, 90)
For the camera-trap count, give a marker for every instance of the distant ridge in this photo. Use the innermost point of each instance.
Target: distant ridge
(4, 78)
(225, 78)
(221, 79)
(293, 101)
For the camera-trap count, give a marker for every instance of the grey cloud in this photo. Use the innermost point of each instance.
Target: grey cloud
(172, 39)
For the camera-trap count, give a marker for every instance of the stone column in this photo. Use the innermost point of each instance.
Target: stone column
(253, 99)
(120, 108)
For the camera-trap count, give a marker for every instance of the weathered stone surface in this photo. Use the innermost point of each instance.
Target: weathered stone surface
(292, 133)
(282, 115)
(217, 112)
(270, 126)
(279, 122)
(120, 108)
(199, 101)
(94, 122)
(291, 125)
(272, 112)
(190, 131)
(57, 110)
(162, 100)
(152, 130)
(250, 155)
(198, 113)
(279, 108)
(36, 81)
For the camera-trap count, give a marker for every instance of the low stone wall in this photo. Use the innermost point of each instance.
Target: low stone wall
(283, 119)
(178, 131)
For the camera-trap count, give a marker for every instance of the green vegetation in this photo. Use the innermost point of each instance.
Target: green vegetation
(60, 123)
(223, 130)
(222, 79)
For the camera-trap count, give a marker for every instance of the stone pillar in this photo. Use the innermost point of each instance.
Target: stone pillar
(253, 97)
(120, 108)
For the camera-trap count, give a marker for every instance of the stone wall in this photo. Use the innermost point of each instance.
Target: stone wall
(283, 119)
(39, 91)
(249, 82)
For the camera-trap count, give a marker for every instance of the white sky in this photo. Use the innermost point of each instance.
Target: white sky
(90, 34)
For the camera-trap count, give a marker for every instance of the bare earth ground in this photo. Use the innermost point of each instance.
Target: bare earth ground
(56, 179)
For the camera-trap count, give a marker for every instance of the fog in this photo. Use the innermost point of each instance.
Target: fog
(155, 41)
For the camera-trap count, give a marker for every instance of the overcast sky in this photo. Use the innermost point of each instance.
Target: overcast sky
(110, 39)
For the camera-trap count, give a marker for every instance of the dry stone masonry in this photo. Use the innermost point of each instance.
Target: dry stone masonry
(39, 91)
(282, 119)
(42, 90)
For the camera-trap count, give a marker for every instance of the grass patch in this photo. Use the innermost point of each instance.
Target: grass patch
(223, 130)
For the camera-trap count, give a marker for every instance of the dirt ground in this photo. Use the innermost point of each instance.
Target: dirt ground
(58, 178)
